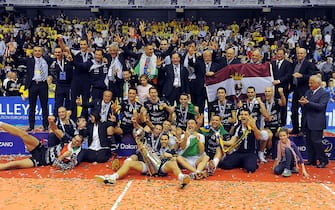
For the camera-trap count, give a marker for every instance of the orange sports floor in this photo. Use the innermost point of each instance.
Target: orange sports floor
(47, 188)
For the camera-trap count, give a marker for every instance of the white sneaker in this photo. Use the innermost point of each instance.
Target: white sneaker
(184, 181)
(261, 157)
(107, 179)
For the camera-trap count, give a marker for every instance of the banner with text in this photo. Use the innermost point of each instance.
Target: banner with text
(15, 111)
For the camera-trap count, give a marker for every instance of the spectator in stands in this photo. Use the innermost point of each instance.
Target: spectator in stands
(12, 85)
(327, 69)
(331, 90)
(51, 87)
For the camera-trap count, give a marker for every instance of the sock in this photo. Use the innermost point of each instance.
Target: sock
(216, 162)
(180, 176)
(115, 176)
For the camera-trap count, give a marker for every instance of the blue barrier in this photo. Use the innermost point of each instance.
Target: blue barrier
(15, 111)
(328, 145)
(13, 145)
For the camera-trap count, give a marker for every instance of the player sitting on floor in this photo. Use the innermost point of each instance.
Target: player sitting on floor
(168, 163)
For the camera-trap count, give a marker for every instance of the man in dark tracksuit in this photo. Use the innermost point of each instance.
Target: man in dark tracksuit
(97, 74)
(81, 82)
(63, 70)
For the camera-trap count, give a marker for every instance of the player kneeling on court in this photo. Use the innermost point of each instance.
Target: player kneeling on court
(146, 161)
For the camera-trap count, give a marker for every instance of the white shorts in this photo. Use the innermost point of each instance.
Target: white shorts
(192, 160)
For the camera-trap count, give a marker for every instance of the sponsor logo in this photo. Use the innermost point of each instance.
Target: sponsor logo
(6, 144)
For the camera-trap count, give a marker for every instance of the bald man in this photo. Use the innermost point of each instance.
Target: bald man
(302, 70)
(256, 57)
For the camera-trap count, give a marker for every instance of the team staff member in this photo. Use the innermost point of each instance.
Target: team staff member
(81, 80)
(97, 75)
(36, 83)
(63, 70)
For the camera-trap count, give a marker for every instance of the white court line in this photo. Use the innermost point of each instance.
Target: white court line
(327, 188)
(118, 201)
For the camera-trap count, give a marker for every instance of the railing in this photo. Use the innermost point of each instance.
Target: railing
(152, 4)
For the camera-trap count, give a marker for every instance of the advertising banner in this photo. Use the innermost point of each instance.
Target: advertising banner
(13, 145)
(15, 111)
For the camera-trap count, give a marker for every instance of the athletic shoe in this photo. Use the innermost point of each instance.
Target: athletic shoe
(286, 173)
(115, 164)
(193, 175)
(261, 157)
(211, 168)
(107, 179)
(295, 170)
(184, 181)
(198, 175)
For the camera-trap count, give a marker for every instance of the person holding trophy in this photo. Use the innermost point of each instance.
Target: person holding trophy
(148, 161)
(241, 152)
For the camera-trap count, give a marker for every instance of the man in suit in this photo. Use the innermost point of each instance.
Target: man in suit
(103, 107)
(117, 64)
(302, 70)
(256, 57)
(282, 76)
(204, 66)
(36, 83)
(228, 59)
(174, 79)
(314, 108)
(122, 85)
(80, 85)
(81, 79)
